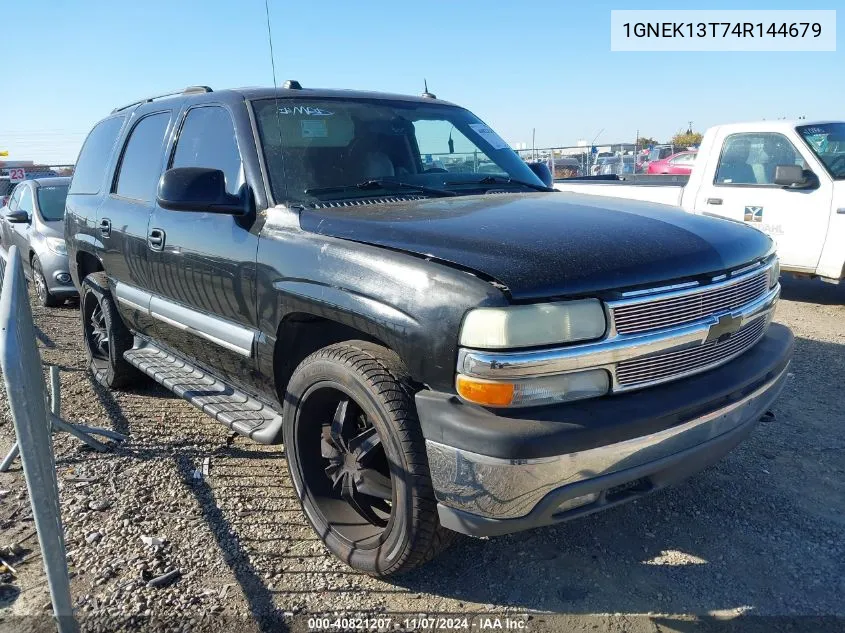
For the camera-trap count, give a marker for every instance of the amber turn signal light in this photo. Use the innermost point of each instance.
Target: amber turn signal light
(485, 392)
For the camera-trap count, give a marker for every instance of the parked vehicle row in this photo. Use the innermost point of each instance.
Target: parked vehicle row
(33, 220)
(783, 178)
(439, 351)
(680, 163)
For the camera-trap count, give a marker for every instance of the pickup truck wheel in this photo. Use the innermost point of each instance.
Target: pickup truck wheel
(106, 336)
(357, 459)
(45, 297)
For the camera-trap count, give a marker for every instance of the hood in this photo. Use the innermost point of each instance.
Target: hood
(54, 228)
(544, 245)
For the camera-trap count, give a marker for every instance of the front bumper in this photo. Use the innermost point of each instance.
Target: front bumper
(494, 474)
(56, 273)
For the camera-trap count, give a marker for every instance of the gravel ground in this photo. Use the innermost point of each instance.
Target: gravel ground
(760, 534)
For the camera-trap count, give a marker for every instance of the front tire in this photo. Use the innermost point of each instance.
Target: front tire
(106, 336)
(357, 459)
(45, 297)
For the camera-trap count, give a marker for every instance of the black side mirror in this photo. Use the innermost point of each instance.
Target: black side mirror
(542, 171)
(197, 189)
(794, 177)
(17, 217)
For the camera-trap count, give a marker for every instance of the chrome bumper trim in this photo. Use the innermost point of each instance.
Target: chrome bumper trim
(510, 488)
(606, 353)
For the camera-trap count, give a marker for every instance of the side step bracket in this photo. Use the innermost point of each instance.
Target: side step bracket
(241, 413)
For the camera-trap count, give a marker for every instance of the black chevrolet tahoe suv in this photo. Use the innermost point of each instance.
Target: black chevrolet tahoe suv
(441, 343)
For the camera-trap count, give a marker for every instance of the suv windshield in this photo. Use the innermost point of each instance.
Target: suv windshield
(317, 149)
(827, 140)
(51, 202)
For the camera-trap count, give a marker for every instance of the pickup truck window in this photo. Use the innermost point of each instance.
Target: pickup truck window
(311, 145)
(140, 166)
(827, 141)
(208, 139)
(94, 157)
(751, 158)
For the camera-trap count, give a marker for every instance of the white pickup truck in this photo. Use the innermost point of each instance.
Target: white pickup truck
(784, 178)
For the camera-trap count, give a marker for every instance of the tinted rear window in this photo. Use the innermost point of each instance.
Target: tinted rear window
(94, 157)
(51, 202)
(140, 166)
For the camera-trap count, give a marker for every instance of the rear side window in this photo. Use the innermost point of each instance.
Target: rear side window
(93, 159)
(208, 140)
(140, 166)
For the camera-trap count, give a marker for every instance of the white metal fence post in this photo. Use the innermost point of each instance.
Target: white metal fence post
(26, 392)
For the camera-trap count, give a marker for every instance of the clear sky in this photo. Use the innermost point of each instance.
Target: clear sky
(518, 65)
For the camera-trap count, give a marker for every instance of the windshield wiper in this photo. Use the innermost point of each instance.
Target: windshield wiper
(501, 180)
(368, 185)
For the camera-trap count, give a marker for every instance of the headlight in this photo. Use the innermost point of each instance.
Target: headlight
(774, 273)
(533, 325)
(534, 391)
(56, 245)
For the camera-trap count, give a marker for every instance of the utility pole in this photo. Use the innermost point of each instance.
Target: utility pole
(533, 146)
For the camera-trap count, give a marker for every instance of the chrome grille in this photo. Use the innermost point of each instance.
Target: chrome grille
(672, 365)
(645, 316)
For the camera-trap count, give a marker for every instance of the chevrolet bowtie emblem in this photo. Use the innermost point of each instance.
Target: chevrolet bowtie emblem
(724, 328)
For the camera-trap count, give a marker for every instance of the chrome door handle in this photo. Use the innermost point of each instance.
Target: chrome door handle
(156, 239)
(714, 201)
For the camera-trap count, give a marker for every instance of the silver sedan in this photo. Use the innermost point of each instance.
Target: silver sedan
(33, 220)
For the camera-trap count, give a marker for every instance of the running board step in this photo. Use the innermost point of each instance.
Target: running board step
(238, 411)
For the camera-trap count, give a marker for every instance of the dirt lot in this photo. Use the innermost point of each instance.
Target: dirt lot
(760, 534)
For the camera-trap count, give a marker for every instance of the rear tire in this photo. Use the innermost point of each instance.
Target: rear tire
(339, 453)
(106, 336)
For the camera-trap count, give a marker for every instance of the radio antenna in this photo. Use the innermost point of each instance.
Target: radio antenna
(426, 93)
(275, 93)
(270, 39)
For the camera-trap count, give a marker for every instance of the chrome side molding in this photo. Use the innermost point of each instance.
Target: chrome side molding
(231, 336)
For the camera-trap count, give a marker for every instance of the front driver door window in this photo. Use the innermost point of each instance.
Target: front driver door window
(207, 264)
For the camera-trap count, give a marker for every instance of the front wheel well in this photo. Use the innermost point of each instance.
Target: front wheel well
(86, 263)
(300, 335)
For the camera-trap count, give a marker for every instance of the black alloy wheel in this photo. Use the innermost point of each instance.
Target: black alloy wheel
(357, 458)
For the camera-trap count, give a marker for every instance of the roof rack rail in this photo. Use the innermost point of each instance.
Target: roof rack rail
(190, 90)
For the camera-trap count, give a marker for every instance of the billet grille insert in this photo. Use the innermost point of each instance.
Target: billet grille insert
(669, 365)
(674, 311)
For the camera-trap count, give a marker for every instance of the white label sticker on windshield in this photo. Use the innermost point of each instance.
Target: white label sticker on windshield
(306, 110)
(489, 135)
(314, 129)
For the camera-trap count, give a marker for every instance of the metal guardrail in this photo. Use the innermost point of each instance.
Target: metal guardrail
(34, 425)
(26, 392)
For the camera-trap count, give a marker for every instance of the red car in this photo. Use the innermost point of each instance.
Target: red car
(680, 163)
